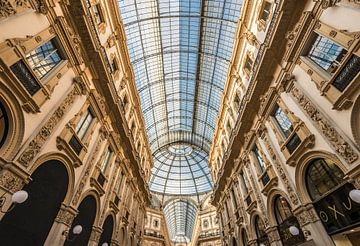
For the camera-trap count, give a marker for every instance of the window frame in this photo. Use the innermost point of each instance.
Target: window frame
(262, 23)
(339, 86)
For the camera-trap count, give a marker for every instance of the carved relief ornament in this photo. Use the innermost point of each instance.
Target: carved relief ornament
(344, 149)
(42, 136)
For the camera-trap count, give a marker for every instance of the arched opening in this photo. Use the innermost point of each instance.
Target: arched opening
(322, 176)
(4, 124)
(244, 238)
(29, 223)
(234, 243)
(108, 226)
(261, 236)
(329, 193)
(85, 218)
(285, 219)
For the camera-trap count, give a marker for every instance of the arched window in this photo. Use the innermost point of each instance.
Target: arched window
(244, 238)
(285, 219)
(322, 176)
(329, 192)
(282, 210)
(4, 124)
(261, 235)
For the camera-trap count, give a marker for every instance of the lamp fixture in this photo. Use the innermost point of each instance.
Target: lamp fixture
(17, 198)
(294, 230)
(76, 231)
(105, 244)
(355, 195)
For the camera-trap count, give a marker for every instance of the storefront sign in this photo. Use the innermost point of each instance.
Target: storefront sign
(337, 211)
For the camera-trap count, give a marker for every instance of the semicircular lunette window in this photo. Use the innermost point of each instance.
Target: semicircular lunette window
(180, 169)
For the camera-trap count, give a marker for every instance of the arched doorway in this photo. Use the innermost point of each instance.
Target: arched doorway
(4, 124)
(261, 236)
(329, 193)
(285, 219)
(85, 218)
(244, 238)
(108, 226)
(29, 223)
(234, 243)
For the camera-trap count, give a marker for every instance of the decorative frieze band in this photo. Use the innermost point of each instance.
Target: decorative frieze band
(39, 140)
(12, 7)
(338, 143)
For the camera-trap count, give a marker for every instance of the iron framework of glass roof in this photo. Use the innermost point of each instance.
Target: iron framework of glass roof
(180, 169)
(180, 51)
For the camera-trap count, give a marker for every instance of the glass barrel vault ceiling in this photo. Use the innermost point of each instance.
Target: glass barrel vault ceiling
(180, 52)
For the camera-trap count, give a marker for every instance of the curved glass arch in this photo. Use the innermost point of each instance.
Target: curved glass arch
(180, 218)
(180, 169)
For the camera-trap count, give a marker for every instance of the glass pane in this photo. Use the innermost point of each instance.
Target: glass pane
(259, 159)
(326, 53)
(282, 209)
(84, 124)
(322, 176)
(44, 58)
(283, 121)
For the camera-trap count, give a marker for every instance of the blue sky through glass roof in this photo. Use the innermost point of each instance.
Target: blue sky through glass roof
(180, 52)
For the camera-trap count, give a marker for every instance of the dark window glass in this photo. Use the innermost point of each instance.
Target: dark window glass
(75, 144)
(347, 74)
(326, 53)
(25, 77)
(4, 124)
(293, 143)
(44, 58)
(244, 238)
(266, 11)
(322, 176)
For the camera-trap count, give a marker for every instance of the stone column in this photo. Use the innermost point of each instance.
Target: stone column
(61, 224)
(95, 236)
(274, 237)
(312, 226)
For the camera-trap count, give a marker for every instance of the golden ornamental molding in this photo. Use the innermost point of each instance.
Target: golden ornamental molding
(87, 171)
(66, 215)
(45, 132)
(12, 7)
(291, 193)
(10, 181)
(343, 148)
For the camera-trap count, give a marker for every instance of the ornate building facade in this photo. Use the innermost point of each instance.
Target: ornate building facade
(286, 150)
(71, 129)
(180, 123)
